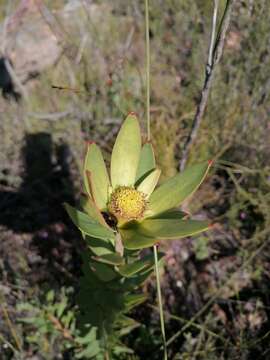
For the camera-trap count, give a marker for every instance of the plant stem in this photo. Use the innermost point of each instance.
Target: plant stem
(147, 39)
(147, 69)
(213, 35)
(161, 314)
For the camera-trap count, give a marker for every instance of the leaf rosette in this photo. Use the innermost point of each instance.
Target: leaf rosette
(127, 210)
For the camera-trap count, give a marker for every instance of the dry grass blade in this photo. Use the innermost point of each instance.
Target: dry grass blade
(11, 327)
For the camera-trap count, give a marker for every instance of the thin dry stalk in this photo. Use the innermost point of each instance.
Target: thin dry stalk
(11, 328)
(214, 55)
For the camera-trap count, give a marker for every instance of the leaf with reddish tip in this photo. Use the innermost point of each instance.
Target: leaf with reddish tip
(96, 179)
(174, 191)
(89, 207)
(126, 153)
(139, 235)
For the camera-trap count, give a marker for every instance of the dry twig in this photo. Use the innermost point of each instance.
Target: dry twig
(214, 56)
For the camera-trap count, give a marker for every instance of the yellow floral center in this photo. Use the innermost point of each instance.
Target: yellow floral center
(127, 203)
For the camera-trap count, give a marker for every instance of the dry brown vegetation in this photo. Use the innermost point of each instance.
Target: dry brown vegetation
(215, 286)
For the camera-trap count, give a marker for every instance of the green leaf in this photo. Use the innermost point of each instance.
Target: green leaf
(171, 214)
(90, 352)
(100, 183)
(147, 262)
(131, 269)
(111, 259)
(89, 337)
(88, 225)
(147, 162)
(137, 235)
(61, 307)
(119, 350)
(171, 228)
(50, 296)
(126, 325)
(148, 185)
(174, 191)
(89, 207)
(133, 241)
(133, 300)
(201, 249)
(102, 271)
(136, 281)
(99, 247)
(126, 153)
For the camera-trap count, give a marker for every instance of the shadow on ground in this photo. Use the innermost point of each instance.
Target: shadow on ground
(33, 218)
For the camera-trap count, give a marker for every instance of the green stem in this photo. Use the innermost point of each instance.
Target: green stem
(105, 340)
(147, 69)
(162, 324)
(161, 314)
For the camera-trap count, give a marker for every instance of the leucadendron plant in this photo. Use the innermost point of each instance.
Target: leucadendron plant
(121, 215)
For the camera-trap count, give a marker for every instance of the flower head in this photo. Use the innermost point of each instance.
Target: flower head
(127, 203)
(142, 213)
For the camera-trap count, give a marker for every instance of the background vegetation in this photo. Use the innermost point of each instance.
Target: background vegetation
(215, 286)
